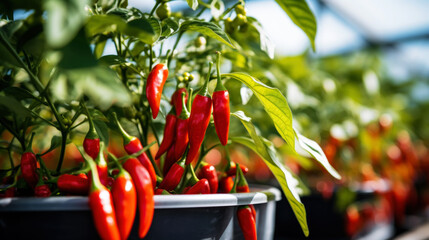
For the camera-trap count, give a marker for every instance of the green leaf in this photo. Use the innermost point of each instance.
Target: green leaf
(19, 93)
(207, 28)
(55, 142)
(64, 19)
(287, 181)
(316, 151)
(110, 60)
(169, 27)
(146, 30)
(265, 41)
(102, 130)
(302, 16)
(13, 106)
(274, 103)
(104, 24)
(193, 4)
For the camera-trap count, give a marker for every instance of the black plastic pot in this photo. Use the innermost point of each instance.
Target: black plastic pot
(210, 216)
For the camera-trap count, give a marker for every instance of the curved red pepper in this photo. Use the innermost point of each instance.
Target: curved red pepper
(169, 134)
(154, 86)
(209, 172)
(182, 129)
(75, 184)
(247, 222)
(29, 168)
(173, 177)
(176, 100)
(102, 171)
(201, 187)
(221, 111)
(101, 204)
(42, 191)
(143, 183)
(199, 120)
(125, 202)
(169, 159)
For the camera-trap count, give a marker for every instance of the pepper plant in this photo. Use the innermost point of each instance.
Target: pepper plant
(58, 81)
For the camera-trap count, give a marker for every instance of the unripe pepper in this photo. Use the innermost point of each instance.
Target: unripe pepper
(91, 143)
(125, 202)
(74, 184)
(143, 183)
(133, 145)
(221, 111)
(182, 131)
(241, 185)
(176, 100)
(173, 177)
(101, 204)
(169, 133)
(154, 86)
(247, 222)
(29, 165)
(209, 172)
(199, 119)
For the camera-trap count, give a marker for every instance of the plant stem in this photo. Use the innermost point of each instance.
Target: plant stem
(154, 8)
(150, 58)
(63, 150)
(174, 48)
(9, 152)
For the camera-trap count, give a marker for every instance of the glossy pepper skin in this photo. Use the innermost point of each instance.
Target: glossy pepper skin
(226, 183)
(42, 191)
(221, 110)
(209, 172)
(242, 186)
(170, 159)
(29, 169)
(176, 100)
(91, 143)
(201, 187)
(233, 169)
(74, 184)
(173, 177)
(154, 86)
(125, 202)
(133, 145)
(169, 134)
(199, 120)
(101, 204)
(101, 164)
(247, 222)
(143, 183)
(182, 129)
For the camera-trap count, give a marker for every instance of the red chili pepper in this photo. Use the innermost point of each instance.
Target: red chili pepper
(169, 134)
(173, 177)
(101, 163)
(241, 186)
(226, 184)
(199, 119)
(195, 185)
(247, 222)
(42, 191)
(201, 187)
(133, 145)
(101, 204)
(176, 100)
(154, 86)
(160, 191)
(182, 131)
(29, 165)
(233, 169)
(169, 159)
(75, 184)
(8, 193)
(209, 172)
(221, 111)
(125, 202)
(143, 183)
(91, 143)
